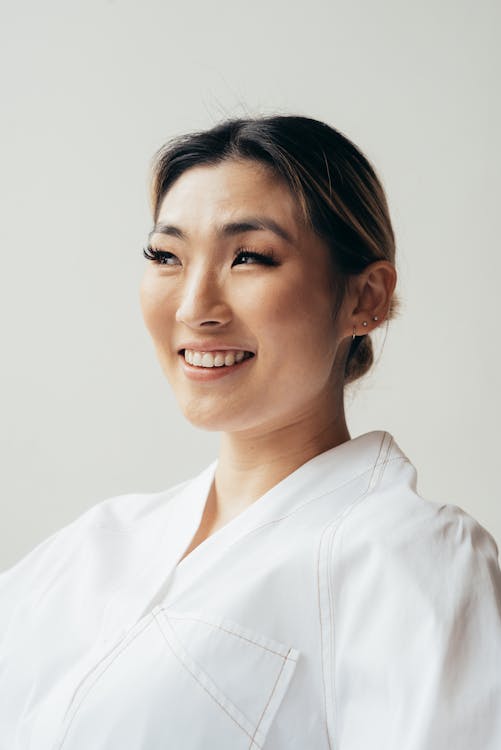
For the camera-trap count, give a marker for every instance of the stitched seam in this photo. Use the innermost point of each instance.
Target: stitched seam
(209, 693)
(225, 630)
(322, 647)
(334, 528)
(335, 524)
(372, 484)
(371, 469)
(375, 479)
(269, 700)
(299, 508)
(78, 703)
(331, 625)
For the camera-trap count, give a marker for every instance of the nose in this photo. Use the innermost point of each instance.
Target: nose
(202, 302)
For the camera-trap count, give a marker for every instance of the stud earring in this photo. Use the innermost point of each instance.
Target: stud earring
(365, 324)
(375, 317)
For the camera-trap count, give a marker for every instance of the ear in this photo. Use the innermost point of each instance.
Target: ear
(368, 297)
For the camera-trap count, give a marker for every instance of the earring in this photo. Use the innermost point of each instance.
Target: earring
(364, 323)
(353, 334)
(375, 317)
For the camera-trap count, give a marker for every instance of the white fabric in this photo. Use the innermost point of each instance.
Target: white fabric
(340, 611)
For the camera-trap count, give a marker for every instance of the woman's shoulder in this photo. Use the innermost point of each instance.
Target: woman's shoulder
(127, 511)
(393, 513)
(110, 536)
(133, 512)
(395, 541)
(412, 596)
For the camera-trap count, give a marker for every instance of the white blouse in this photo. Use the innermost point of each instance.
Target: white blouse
(340, 611)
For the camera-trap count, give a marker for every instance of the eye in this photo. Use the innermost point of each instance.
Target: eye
(162, 257)
(250, 257)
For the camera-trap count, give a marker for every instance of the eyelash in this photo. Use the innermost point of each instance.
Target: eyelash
(151, 254)
(266, 258)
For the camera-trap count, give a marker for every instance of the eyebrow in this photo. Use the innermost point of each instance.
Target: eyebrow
(247, 224)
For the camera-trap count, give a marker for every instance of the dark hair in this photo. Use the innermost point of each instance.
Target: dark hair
(338, 192)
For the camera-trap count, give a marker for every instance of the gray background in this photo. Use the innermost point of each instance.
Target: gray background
(91, 89)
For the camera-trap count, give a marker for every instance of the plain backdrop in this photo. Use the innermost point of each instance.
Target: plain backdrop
(91, 89)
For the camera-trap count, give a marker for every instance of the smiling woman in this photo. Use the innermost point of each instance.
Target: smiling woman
(298, 592)
(240, 291)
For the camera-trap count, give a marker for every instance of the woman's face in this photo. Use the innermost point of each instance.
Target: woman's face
(210, 292)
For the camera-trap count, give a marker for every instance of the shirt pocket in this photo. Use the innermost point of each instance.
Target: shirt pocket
(181, 679)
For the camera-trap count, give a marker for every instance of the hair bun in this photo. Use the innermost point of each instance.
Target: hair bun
(360, 359)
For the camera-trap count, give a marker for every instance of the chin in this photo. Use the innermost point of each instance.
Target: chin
(206, 418)
(226, 418)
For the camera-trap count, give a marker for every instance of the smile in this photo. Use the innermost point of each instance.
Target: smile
(215, 359)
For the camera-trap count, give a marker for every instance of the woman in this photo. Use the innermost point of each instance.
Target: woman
(298, 592)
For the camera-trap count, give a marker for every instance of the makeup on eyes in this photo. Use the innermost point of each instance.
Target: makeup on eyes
(266, 257)
(157, 256)
(262, 257)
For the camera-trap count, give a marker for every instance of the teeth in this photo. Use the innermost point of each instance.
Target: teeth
(214, 359)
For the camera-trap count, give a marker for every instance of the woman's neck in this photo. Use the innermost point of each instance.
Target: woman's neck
(250, 465)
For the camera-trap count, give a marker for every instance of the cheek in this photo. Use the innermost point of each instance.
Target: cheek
(299, 316)
(155, 306)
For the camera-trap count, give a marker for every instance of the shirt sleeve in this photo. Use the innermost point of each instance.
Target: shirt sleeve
(416, 632)
(24, 583)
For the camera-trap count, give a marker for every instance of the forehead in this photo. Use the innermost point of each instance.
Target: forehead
(210, 194)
